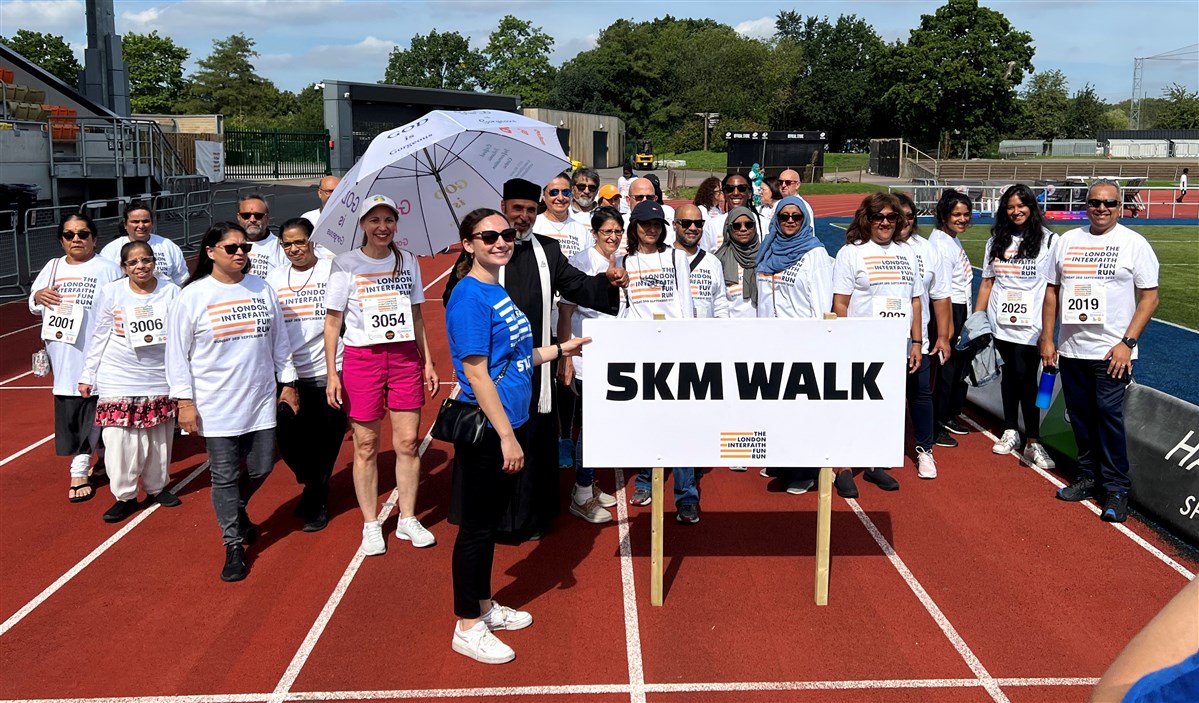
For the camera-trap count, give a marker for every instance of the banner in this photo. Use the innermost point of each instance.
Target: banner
(744, 392)
(210, 161)
(1163, 457)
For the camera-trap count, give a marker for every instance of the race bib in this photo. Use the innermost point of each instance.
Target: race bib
(889, 308)
(387, 320)
(1084, 303)
(62, 323)
(146, 325)
(1015, 308)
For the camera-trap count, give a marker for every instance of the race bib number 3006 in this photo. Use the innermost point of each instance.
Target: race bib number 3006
(146, 325)
(388, 320)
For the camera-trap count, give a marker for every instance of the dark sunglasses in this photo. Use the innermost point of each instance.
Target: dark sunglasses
(790, 217)
(252, 215)
(787, 183)
(231, 249)
(889, 217)
(639, 198)
(490, 237)
(585, 186)
(688, 224)
(742, 226)
(81, 234)
(740, 188)
(555, 192)
(1096, 202)
(145, 261)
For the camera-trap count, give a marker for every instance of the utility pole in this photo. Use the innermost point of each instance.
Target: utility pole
(710, 119)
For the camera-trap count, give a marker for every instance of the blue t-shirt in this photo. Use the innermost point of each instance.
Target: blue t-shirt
(1174, 684)
(483, 321)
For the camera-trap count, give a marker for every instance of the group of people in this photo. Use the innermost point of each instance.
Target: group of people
(274, 344)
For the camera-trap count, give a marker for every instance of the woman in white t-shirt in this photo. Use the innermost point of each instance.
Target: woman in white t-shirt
(708, 198)
(877, 277)
(138, 222)
(387, 367)
(738, 255)
(1012, 292)
(64, 295)
(556, 222)
(126, 359)
(953, 212)
(226, 348)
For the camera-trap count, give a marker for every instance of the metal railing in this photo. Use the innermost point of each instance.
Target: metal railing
(276, 153)
(116, 148)
(10, 256)
(1060, 202)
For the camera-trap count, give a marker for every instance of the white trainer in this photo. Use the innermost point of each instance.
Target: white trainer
(373, 543)
(591, 511)
(738, 468)
(925, 466)
(605, 500)
(800, 487)
(501, 617)
(1007, 443)
(1036, 455)
(479, 644)
(411, 530)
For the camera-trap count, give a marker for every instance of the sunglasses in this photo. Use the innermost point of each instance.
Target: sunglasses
(80, 234)
(790, 217)
(1109, 203)
(787, 183)
(740, 188)
(145, 260)
(743, 226)
(688, 224)
(252, 215)
(889, 217)
(585, 186)
(555, 192)
(231, 249)
(490, 237)
(639, 198)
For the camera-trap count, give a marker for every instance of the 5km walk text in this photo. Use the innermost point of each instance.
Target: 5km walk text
(757, 381)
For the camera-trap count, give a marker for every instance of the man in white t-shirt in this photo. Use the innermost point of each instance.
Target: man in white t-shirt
(584, 190)
(709, 296)
(1103, 279)
(641, 190)
(789, 182)
(254, 215)
(622, 184)
(326, 187)
(1182, 185)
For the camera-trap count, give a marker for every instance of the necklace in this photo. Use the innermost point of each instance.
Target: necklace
(556, 227)
(311, 271)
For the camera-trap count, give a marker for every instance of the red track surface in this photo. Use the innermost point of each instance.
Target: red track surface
(1022, 597)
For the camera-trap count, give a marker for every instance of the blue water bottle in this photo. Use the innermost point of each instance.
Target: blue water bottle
(1045, 392)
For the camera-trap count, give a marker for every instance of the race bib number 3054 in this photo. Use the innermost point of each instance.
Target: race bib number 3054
(1084, 303)
(146, 325)
(63, 323)
(388, 320)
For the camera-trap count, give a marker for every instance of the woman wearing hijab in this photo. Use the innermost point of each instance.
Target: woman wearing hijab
(738, 254)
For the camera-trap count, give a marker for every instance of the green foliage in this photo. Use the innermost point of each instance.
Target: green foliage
(227, 84)
(303, 111)
(1086, 115)
(1115, 118)
(155, 72)
(50, 51)
(435, 60)
(1046, 104)
(1182, 111)
(517, 61)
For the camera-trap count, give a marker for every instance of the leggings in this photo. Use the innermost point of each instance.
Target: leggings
(1019, 385)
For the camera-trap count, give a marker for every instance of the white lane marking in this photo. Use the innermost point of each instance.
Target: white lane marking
(17, 331)
(210, 698)
(866, 684)
(95, 554)
(963, 649)
(22, 375)
(1165, 558)
(26, 450)
(25, 388)
(632, 627)
(471, 693)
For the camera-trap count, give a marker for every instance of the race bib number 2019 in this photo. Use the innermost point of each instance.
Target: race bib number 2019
(1084, 303)
(388, 320)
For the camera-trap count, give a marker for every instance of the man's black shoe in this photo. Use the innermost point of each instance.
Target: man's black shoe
(318, 521)
(881, 478)
(944, 439)
(235, 563)
(1116, 507)
(846, 488)
(1081, 489)
(165, 498)
(955, 427)
(247, 529)
(121, 510)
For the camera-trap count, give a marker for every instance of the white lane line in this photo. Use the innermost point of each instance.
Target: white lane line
(26, 450)
(25, 388)
(865, 684)
(17, 331)
(1090, 505)
(210, 698)
(471, 693)
(632, 627)
(926, 600)
(9, 380)
(83, 564)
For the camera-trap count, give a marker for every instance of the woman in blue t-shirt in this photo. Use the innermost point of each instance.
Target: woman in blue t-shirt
(492, 347)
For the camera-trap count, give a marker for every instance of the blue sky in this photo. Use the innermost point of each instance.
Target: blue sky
(304, 41)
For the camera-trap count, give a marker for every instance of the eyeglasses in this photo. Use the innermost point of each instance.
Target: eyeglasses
(293, 245)
(688, 224)
(231, 249)
(610, 232)
(1096, 202)
(586, 186)
(740, 188)
(790, 217)
(889, 217)
(743, 226)
(555, 192)
(145, 261)
(79, 234)
(490, 237)
(639, 198)
(787, 183)
(252, 215)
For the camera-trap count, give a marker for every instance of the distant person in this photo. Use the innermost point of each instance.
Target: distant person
(642, 190)
(1182, 185)
(584, 186)
(609, 196)
(622, 184)
(769, 194)
(326, 187)
(669, 210)
(738, 192)
(953, 213)
(254, 217)
(708, 197)
(138, 222)
(789, 182)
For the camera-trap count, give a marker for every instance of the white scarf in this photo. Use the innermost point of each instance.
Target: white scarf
(544, 398)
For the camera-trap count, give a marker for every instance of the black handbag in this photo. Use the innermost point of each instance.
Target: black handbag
(461, 422)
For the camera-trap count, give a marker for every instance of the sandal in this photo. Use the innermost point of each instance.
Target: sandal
(74, 496)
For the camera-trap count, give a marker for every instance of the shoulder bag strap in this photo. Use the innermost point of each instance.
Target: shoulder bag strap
(698, 258)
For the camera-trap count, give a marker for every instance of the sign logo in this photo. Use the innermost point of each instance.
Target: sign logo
(742, 446)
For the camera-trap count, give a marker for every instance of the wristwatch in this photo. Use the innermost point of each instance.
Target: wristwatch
(288, 384)
(1130, 342)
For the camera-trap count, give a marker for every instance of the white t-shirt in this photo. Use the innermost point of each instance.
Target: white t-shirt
(301, 296)
(739, 305)
(312, 216)
(356, 277)
(590, 262)
(962, 272)
(225, 348)
(266, 255)
(622, 184)
(657, 284)
(1119, 261)
(583, 217)
(713, 235)
(570, 235)
(1182, 183)
(114, 368)
(709, 296)
(803, 290)
(935, 274)
(169, 262)
(78, 284)
(880, 280)
(1018, 292)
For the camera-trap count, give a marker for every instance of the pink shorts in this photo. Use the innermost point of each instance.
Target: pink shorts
(382, 372)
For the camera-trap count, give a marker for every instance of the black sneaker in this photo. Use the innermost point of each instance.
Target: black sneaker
(318, 521)
(955, 427)
(235, 563)
(121, 510)
(1116, 507)
(247, 529)
(1081, 489)
(881, 478)
(165, 498)
(944, 439)
(846, 488)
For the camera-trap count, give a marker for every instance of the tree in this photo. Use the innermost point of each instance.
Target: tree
(1086, 115)
(155, 72)
(50, 51)
(1181, 110)
(517, 61)
(955, 78)
(435, 60)
(1046, 104)
(305, 110)
(227, 84)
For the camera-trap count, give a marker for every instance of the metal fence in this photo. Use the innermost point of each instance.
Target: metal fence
(10, 256)
(275, 153)
(1060, 202)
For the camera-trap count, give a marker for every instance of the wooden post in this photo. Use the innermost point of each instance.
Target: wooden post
(824, 524)
(655, 535)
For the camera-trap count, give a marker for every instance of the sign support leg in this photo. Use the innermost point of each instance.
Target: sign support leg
(655, 538)
(824, 515)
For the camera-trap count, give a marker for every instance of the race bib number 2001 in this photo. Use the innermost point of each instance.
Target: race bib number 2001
(1083, 303)
(388, 320)
(63, 323)
(146, 325)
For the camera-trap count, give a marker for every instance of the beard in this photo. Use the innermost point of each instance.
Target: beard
(584, 203)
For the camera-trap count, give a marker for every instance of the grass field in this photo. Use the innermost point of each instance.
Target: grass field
(717, 161)
(687, 193)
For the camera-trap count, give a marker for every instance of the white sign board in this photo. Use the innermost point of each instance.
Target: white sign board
(210, 161)
(768, 392)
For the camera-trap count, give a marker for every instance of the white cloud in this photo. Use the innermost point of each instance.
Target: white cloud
(319, 59)
(63, 17)
(761, 28)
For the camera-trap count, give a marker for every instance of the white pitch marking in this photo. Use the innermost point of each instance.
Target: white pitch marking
(632, 627)
(208, 698)
(22, 375)
(25, 451)
(25, 388)
(23, 329)
(472, 693)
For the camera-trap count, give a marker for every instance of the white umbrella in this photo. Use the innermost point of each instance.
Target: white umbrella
(437, 169)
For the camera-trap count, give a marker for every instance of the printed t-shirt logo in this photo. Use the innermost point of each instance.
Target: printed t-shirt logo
(239, 319)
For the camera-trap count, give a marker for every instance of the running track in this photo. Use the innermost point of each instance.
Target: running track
(975, 587)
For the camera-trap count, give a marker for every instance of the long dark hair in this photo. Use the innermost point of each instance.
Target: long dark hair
(858, 231)
(949, 200)
(633, 240)
(1004, 229)
(211, 238)
(905, 200)
(705, 195)
(466, 230)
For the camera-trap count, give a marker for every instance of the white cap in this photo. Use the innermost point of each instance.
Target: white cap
(374, 201)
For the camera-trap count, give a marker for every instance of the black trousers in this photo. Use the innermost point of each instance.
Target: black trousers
(485, 492)
(1018, 385)
(1095, 402)
(310, 441)
(949, 379)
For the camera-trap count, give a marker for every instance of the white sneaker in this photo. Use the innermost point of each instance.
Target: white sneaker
(479, 644)
(798, 488)
(1007, 443)
(501, 617)
(764, 472)
(1036, 455)
(925, 466)
(738, 468)
(411, 530)
(373, 543)
(604, 499)
(591, 511)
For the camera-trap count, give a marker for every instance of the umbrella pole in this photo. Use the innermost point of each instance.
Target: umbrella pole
(444, 195)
